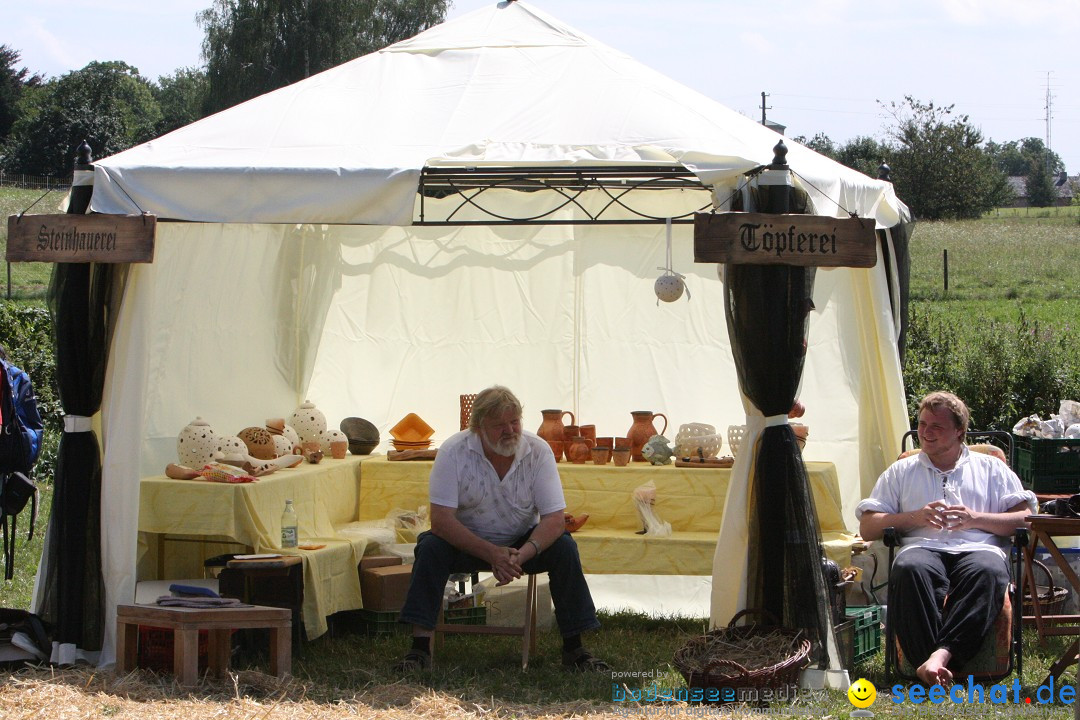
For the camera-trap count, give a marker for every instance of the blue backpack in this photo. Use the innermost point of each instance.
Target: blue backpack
(20, 444)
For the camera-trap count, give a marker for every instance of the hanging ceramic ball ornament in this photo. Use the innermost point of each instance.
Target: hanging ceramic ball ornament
(669, 286)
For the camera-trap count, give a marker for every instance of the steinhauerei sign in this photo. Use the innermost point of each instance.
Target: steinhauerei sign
(764, 239)
(81, 238)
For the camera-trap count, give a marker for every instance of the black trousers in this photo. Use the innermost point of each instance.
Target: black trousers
(919, 581)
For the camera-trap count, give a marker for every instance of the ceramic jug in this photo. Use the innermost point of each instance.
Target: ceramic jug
(578, 451)
(552, 428)
(643, 429)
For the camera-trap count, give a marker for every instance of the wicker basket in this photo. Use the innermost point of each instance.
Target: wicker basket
(1051, 597)
(701, 666)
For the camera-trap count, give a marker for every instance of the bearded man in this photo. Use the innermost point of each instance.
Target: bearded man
(497, 504)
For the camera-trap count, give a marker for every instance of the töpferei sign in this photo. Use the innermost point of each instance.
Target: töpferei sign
(764, 239)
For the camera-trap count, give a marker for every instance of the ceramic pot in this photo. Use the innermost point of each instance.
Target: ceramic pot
(308, 421)
(552, 427)
(643, 429)
(620, 456)
(231, 447)
(578, 451)
(589, 433)
(601, 455)
(259, 441)
(556, 449)
(196, 444)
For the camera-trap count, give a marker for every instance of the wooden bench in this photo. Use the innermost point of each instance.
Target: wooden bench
(186, 622)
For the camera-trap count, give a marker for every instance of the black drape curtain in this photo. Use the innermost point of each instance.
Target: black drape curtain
(767, 309)
(899, 255)
(80, 299)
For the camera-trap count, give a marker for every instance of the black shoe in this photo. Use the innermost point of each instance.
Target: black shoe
(414, 661)
(581, 660)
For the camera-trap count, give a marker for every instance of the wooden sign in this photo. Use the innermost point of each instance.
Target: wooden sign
(764, 239)
(81, 238)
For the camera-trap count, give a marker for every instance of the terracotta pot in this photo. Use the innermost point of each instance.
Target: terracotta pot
(608, 442)
(556, 449)
(620, 456)
(552, 427)
(589, 433)
(642, 429)
(601, 455)
(569, 433)
(578, 450)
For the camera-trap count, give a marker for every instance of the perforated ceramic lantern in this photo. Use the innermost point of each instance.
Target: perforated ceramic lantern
(309, 422)
(196, 444)
(230, 446)
(669, 287)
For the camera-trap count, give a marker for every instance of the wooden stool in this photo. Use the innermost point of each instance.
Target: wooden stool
(186, 623)
(527, 630)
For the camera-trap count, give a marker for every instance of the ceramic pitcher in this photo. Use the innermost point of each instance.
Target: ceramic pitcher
(643, 429)
(552, 428)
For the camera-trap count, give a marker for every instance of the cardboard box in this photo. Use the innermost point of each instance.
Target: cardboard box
(384, 588)
(369, 562)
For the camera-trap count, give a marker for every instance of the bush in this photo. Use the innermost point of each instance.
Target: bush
(26, 332)
(1004, 371)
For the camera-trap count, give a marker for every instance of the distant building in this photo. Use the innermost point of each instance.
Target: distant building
(1063, 184)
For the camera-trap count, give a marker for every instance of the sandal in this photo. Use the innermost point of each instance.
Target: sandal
(581, 660)
(414, 661)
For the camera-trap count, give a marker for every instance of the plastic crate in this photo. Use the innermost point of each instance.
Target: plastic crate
(381, 622)
(867, 626)
(466, 616)
(1048, 466)
(156, 649)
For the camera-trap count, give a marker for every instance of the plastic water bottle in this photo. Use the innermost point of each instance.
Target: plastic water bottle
(289, 532)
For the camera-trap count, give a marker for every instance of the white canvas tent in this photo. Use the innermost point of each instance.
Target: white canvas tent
(301, 274)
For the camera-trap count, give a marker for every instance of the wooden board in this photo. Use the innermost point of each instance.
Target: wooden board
(804, 240)
(278, 562)
(715, 462)
(412, 454)
(81, 238)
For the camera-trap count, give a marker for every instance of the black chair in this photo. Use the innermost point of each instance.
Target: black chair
(1002, 659)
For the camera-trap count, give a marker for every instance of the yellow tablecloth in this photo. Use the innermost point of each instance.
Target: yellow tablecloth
(324, 495)
(691, 499)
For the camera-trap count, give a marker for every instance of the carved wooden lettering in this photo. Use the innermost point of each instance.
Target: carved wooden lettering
(81, 238)
(764, 239)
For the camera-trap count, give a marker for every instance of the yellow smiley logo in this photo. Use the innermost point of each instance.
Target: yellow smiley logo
(862, 693)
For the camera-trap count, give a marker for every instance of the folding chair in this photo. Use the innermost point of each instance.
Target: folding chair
(1000, 651)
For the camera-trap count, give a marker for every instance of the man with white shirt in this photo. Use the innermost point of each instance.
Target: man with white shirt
(955, 511)
(497, 503)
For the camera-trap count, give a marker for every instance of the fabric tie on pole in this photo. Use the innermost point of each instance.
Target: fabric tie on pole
(77, 424)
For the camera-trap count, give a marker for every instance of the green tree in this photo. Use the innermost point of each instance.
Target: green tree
(820, 143)
(13, 80)
(181, 97)
(255, 46)
(1041, 190)
(1015, 157)
(108, 104)
(864, 154)
(939, 165)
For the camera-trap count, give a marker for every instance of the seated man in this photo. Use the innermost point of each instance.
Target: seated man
(955, 511)
(497, 502)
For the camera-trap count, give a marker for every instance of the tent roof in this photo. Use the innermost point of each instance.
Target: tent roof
(505, 85)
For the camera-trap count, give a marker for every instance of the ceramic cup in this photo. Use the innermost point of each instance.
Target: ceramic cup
(607, 442)
(338, 448)
(589, 433)
(620, 456)
(569, 433)
(556, 449)
(622, 442)
(601, 455)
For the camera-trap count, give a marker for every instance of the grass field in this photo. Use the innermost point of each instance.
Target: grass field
(23, 281)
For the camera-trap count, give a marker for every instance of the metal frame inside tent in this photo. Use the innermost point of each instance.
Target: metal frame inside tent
(566, 184)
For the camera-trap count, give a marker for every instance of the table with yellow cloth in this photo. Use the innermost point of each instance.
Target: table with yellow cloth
(325, 496)
(691, 499)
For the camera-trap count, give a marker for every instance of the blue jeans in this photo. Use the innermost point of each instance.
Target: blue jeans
(435, 559)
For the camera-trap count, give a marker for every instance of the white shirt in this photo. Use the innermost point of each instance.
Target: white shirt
(499, 511)
(979, 482)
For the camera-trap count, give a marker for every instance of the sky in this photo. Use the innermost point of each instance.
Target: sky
(827, 66)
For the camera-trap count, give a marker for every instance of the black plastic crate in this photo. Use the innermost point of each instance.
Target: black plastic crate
(1048, 466)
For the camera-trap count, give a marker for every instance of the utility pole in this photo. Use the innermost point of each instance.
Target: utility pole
(763, 108)
(1049, 117)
